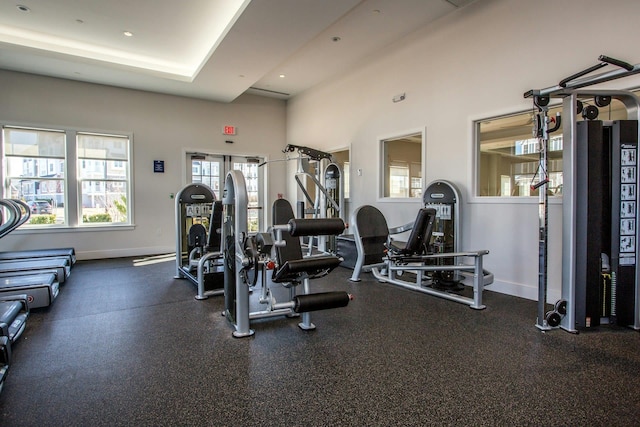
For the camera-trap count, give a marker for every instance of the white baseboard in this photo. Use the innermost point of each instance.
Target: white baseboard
(120, 253)
(521, 290)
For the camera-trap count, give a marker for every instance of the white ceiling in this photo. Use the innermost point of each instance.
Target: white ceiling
(209, 49)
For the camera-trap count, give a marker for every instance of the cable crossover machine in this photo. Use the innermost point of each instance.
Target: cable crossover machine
(321, 183)
(600, 209)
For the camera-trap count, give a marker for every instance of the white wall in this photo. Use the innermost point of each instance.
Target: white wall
(163, 128)
(473, 64)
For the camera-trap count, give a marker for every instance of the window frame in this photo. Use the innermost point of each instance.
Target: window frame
(71, 201)
(382, 167)
(476, 158)
(104, 181)
(476, 151)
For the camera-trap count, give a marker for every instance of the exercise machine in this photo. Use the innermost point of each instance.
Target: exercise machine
(35, 273)
(69, 253)
(389, 260)
(600, 277)
(444, 197)
(321, 182)
(39, 289)
(198, 233)
(14, 312)
(249, 256)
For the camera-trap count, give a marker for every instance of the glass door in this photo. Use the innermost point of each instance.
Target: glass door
(211, 169)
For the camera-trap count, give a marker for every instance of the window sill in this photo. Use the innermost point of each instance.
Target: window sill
(520, 200)
(66, 229)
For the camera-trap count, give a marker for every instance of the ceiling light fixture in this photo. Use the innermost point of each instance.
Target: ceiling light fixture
(335, 39)
(282, 76)
(128, 33)
(23, 8)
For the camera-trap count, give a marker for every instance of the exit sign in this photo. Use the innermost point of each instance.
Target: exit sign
(229, 130)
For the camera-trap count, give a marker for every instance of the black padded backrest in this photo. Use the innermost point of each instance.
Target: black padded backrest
(373, 231)
(215, 227)
(421, 231)
(281, 213)
(197, 236)
(371, 222)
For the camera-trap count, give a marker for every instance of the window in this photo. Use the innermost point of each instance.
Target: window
(211, 169)
(252, 179)
(30, 157)
(402, 166)
(509, 159)
(47, 168)
(103, 188)
(508, 155)
(206, 171)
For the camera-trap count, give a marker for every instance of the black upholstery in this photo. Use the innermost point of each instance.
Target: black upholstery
(282, 212)
(292, 266)
(197, 236)
(291, 270)
(215, 227)
(419, 237)
(374, 233)
(316, 227)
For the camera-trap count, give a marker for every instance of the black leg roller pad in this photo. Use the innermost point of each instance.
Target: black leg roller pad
(320, 301)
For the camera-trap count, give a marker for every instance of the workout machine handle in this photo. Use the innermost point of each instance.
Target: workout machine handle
(617, 62)
(563, 82)
(605, 60)
(312, 153)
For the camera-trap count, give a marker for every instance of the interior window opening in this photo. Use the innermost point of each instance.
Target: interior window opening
(402, 166)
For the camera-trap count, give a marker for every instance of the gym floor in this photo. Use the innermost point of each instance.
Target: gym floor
(126, 344)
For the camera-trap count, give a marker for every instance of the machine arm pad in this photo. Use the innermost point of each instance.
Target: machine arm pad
(316, 227)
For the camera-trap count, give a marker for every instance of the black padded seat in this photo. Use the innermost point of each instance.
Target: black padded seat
(293, 267)
(419, 237)
(312, 266)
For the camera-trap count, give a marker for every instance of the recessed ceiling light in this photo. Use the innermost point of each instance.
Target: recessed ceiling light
(335, 39)
(23, 8)
(282, 76)
(128, 33)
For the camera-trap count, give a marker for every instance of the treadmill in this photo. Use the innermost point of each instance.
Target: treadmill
(69, 253)
(14, 312)
(31, 266)
(39, 289)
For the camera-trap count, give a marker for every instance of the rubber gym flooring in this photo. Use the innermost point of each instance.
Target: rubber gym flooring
(126, 344)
